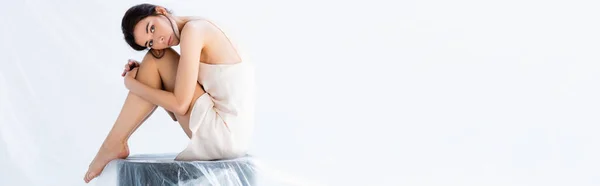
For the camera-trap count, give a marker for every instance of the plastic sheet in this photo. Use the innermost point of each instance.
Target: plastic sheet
(162, 169)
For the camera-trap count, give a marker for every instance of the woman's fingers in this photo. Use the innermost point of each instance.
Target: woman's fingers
(131, 64)
(124, 72)
(133, 61)
(132, 73)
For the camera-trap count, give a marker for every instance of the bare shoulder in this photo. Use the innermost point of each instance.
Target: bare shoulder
(196, 27)
(195, 33)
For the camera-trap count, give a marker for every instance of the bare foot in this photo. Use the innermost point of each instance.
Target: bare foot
(104, 156)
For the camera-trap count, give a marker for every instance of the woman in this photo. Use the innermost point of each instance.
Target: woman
(207, 89)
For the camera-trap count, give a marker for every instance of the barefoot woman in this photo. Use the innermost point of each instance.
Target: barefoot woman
(208, 89)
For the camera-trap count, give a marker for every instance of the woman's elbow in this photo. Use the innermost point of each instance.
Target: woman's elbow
(182, 109)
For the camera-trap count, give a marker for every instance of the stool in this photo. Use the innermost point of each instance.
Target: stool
(162, 169)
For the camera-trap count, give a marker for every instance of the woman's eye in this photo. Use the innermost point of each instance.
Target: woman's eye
(152, 28)
(150, 43)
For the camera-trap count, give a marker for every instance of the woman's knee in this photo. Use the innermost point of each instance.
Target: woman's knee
(148, 72)
(168, 54)
(167, 68)
(151, 63)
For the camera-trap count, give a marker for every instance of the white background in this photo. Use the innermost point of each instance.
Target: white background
(428, 92)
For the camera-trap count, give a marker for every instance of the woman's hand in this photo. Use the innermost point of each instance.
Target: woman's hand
(130, 65)
(130, 72)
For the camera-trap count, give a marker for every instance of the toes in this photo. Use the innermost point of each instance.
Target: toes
(89, 176)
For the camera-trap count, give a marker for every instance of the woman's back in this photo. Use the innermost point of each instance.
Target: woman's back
(218, 48)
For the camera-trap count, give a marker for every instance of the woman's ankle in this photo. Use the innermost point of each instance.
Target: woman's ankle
(114, 143)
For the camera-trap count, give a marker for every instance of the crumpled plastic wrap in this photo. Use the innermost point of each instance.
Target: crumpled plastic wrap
(162, 169)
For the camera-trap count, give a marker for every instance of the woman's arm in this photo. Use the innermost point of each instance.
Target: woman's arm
(186, 79)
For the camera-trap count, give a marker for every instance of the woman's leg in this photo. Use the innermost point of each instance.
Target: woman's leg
(135, 110)
(167, 68)
(158, 73)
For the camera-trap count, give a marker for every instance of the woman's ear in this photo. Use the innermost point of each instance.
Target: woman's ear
(161, 10)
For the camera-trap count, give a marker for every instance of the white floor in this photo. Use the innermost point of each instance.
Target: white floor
(351, 92)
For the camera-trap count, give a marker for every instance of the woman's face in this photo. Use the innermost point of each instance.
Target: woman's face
(155, 32)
